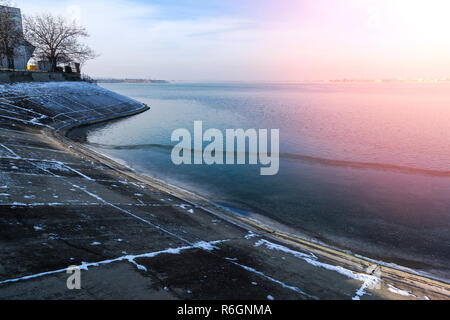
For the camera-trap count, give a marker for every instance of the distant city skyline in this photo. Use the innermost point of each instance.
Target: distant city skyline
(262, 40)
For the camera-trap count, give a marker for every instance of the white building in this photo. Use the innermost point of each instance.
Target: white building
(24, 51)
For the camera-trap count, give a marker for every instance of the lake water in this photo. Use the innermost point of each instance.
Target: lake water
(365, 167)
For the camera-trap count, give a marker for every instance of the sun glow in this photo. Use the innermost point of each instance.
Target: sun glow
(427, 19)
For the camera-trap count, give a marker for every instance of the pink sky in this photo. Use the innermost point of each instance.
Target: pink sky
(323, 39)
(263, 39)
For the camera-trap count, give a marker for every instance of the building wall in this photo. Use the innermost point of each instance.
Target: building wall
(23, 54)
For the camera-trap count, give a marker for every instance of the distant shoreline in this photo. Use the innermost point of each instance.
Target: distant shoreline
(138, 81)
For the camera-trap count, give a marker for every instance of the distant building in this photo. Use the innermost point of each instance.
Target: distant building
(25, 50)
(72, 67)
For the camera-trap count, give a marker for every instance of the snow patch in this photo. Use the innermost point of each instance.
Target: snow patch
(53, 236)
(232, 259)
(251, 235)
(400, 291)
(208, 246)
(130, 258)
(369, 281)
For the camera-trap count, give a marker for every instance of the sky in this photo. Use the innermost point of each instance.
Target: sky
(261, 40)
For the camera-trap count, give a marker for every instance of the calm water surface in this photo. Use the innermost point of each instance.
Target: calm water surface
(363, 166)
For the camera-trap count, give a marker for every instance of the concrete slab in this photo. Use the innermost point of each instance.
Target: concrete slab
(117, 280)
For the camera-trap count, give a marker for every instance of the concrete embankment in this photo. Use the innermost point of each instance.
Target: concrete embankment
(63, 205)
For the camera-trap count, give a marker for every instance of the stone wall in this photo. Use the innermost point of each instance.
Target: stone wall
(27, 76)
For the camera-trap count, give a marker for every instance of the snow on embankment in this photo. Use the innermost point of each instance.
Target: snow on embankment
(59, 105)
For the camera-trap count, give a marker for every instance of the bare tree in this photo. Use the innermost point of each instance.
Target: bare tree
(57, 39)
(11, 36)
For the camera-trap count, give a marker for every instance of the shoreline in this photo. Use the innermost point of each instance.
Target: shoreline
(268, 223)
(293, 236)
(214, 239)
